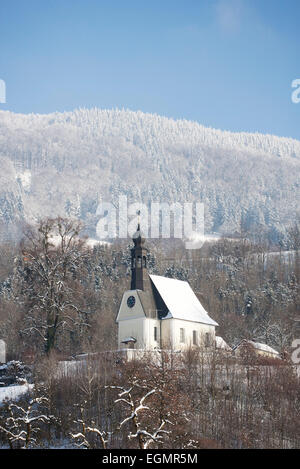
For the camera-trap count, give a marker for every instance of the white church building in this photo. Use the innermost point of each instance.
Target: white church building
(159, 312)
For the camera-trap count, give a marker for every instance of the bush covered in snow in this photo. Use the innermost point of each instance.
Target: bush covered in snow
(14, 372)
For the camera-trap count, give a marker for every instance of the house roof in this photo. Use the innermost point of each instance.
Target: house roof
(221, 344)
(147, 301)
(180, 300)
(258, 346)
(264, 347)
(128, 339)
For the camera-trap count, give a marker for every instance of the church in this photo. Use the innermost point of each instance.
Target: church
(159, 312)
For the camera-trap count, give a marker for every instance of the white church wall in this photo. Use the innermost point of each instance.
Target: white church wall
(125, 312)
(142, 329)
(166, 327)
(171, 331)
(132, 328)
(149, 333)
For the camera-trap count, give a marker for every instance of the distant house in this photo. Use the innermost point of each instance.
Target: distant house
(221, 345)
(159, 312)
(258, 348)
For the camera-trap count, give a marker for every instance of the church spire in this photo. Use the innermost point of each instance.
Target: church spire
(139, 273)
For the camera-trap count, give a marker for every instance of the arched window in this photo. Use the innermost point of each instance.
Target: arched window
(139, 261)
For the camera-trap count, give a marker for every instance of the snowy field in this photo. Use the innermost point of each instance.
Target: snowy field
(14, 392)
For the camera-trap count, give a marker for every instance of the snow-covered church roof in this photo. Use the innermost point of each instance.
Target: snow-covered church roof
(181, 301)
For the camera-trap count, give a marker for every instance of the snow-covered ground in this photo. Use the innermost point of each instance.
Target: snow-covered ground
(14, 392)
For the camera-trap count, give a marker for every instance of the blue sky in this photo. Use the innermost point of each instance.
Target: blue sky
(227, 64)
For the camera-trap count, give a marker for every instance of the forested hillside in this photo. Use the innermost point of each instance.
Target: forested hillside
(65, 163)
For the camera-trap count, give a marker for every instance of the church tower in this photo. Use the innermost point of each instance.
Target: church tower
(139, 274)
(137, 314)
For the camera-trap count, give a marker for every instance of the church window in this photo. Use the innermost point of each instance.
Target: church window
(194, 337)
(155, 334)
(207, 339)
(139, 261)
(182, 335)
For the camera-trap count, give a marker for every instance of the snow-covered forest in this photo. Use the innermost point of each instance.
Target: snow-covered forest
(58, 304)
(60, 292)
(65, 163)
(186, 402)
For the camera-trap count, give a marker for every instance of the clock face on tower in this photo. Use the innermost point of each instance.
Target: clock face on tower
(131, 301)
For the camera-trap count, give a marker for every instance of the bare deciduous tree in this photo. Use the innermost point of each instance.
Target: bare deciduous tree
(49, 280)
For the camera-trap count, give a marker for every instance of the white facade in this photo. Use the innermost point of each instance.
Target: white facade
(134, 323)
(178, 334)
(185, 324)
